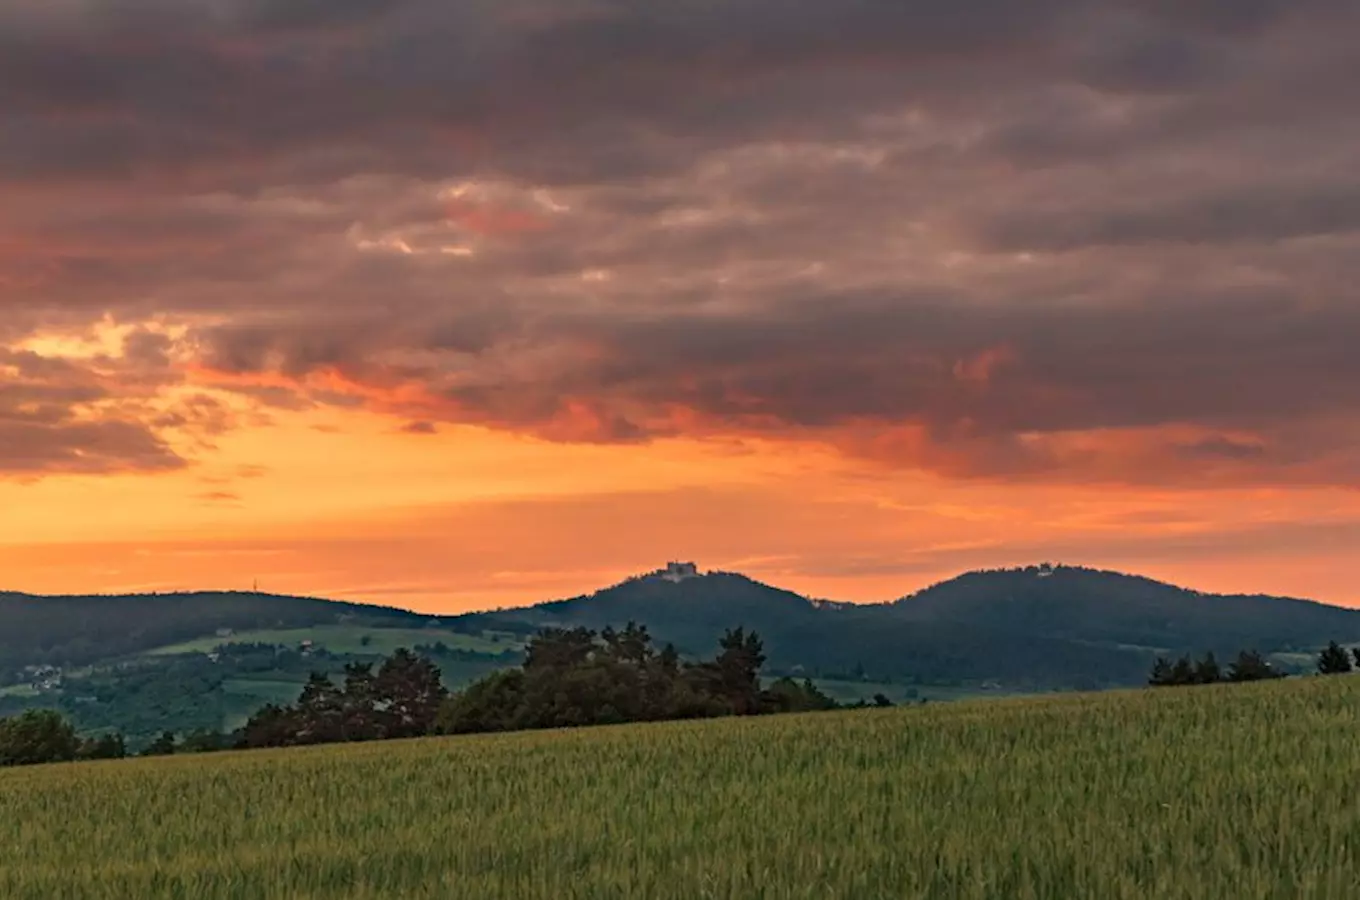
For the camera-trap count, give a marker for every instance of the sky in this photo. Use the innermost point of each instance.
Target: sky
(454, 304)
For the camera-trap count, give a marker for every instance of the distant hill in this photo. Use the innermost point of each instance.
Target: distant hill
(1037, 627)
(1032, 628)
(79, 630)
(1072, 603)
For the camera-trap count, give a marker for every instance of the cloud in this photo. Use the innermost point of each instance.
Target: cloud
(30, 449)
(220, 497)
(1256, 212)
(62, 417)
(1104, 240)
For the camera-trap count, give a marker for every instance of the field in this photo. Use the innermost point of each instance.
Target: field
(346, 639)
(1225, 791)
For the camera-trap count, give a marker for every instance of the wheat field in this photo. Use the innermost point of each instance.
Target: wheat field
(1227, 791)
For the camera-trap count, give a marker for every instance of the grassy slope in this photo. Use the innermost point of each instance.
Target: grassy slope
(344, 639)
(1232, 791)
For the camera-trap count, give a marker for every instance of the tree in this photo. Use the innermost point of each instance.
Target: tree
(1161, 675)
(738, 670)
(787, 695)
(408, 690)
(632, 645)
(37, 736)
(107, 746)
(492, 704)
(1183, 672)
(1334, 660)
(204, 740)
(1207, 670)
(559, 648)
(272, 726)
(1251, 666)
(359, 719)
(161, 746)
(320, 711)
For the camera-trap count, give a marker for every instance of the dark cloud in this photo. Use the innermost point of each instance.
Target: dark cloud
(1259, 212)
(1111, 239)
(29, 449)
(280, 89)
(57, 416)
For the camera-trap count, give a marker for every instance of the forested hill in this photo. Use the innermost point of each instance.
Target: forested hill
(78, 630)
(1039, 626)
(1036, 627)
(1073, 603)
(803, 637)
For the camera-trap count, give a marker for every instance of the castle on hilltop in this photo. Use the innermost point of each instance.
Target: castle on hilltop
(678, 571)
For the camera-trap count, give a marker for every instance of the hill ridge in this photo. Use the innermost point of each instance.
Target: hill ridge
(1037, 626)
(820, 602)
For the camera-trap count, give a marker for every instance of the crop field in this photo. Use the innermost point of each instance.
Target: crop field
(346, 639)
(1225, 791)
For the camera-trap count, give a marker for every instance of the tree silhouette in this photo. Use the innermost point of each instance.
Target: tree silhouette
(161, 746)
(106, 746)
(1334, 660)
(37, 736)
(1251, 666)
(738, 669)
(408, 692)
(559, 648)
(1207, 670)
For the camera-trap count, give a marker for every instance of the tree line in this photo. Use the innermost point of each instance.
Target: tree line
(569, 678)
(1249, 666)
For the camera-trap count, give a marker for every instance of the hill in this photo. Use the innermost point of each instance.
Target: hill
(1081, 604)
(872, 642)
(1228, 791)
(85, 629)
(1034, 628)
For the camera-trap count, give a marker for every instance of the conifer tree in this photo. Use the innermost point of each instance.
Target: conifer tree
(1334, 660)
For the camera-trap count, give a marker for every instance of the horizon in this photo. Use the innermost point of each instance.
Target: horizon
(462, 304)
(702, 572)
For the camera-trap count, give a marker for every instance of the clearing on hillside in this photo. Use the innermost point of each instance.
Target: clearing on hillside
(347, 639)
(1225, 791)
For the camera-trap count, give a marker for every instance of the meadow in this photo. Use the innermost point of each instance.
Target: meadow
(1243, 791)
(346, 639)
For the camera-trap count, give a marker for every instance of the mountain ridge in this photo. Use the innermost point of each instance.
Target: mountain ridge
(1037, 626)
(815, 601)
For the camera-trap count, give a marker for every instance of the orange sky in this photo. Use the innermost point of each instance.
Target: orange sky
(347, 505)
(453, 305)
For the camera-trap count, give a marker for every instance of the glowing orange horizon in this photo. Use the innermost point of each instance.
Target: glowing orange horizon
(345, 504)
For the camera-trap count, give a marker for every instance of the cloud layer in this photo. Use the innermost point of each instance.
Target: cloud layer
(1109, 240)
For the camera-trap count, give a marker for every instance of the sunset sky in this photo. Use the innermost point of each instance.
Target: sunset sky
(452, 304)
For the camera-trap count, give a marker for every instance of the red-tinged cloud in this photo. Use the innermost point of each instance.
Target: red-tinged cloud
(486, 220)
(57, 417)
(1110, 240)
